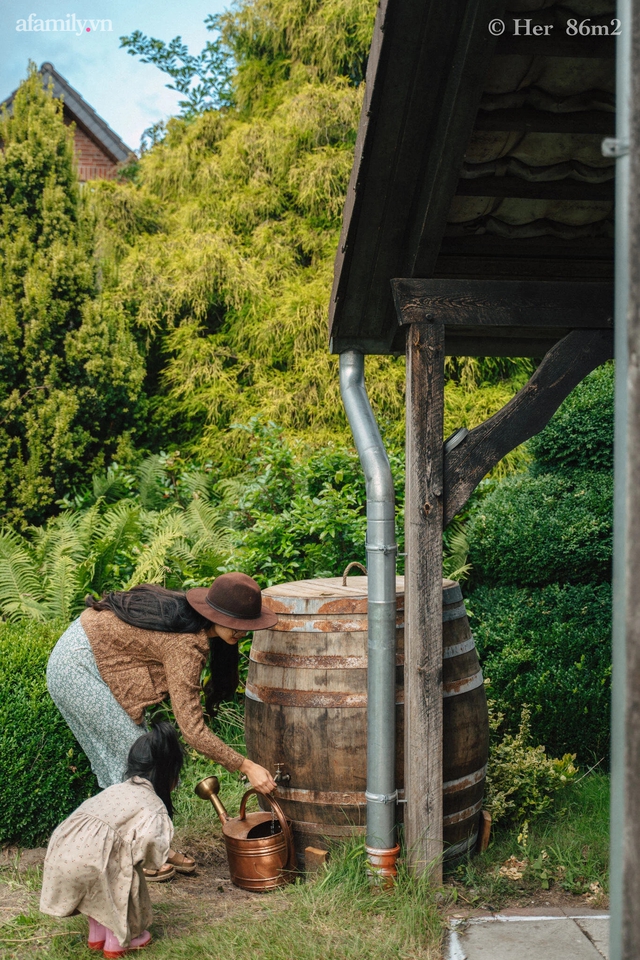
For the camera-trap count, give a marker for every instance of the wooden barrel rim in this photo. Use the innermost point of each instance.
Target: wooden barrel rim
(328, 595)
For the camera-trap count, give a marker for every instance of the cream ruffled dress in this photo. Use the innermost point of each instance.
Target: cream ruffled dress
(95, 858)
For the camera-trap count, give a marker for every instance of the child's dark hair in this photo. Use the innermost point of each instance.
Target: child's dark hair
(157, 756)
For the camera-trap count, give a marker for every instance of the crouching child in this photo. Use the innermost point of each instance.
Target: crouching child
(96, 856)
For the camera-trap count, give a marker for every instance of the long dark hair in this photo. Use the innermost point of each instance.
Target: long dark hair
(158, 757)
(152, 607)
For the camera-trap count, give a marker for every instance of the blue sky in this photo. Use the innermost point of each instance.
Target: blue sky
(128, 94)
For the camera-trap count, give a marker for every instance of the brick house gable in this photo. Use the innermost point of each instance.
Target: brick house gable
(99, 150)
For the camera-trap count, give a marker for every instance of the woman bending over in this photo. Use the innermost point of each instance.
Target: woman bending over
(134, 648)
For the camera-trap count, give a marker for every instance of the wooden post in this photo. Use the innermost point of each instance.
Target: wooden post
(423, 598)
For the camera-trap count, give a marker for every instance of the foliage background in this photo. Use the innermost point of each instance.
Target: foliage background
(540, 583)
(169, 408)
(150, 313)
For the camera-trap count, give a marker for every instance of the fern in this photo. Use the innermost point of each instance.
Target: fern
(154, 564)
(151, 474)
(65, 589)
(115, 532)
(113, 485)
(21, 587)
(454, 561)
(202, 522)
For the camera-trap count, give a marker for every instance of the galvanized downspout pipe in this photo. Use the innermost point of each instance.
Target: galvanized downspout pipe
(623, 854)
(381, 792)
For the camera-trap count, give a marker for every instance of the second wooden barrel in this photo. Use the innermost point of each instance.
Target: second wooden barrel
(306, 700)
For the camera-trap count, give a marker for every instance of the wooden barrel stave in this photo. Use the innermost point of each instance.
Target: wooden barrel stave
(306, 709)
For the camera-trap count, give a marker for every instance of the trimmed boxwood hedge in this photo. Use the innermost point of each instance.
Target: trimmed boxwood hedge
(44, 774)
(550, 649)
(580, 435)
(531, 531)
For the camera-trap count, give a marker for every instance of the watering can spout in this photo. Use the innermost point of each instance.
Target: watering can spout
(208, 789)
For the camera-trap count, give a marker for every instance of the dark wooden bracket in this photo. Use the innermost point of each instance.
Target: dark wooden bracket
(562, 368)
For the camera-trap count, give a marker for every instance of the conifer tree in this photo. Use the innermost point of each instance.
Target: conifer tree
(70, 370)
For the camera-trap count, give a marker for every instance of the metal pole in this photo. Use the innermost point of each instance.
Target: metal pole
(381, 546)
(623, 858)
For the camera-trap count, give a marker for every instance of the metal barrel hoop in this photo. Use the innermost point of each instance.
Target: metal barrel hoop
(282, 820)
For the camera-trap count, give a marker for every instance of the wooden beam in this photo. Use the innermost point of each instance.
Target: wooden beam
(423, 598)
(545, 248)
(453, 267)
(564, 366)
(505, 303)
(448, 141)
(530, 120)
(520, 345)
(600, 48)
(563, 189)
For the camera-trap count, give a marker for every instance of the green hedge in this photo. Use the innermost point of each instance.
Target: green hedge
(45, 775)
(532, 531)
(550, 649)
(580, 435)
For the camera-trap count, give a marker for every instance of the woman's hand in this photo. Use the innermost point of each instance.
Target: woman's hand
(259, 778)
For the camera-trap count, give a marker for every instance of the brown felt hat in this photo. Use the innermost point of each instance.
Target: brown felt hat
(233, 600)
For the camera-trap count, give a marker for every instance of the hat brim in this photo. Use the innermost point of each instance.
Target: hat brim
(197, 598)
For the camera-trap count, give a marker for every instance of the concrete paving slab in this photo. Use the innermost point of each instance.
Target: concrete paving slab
(528, 938)
(597, 929)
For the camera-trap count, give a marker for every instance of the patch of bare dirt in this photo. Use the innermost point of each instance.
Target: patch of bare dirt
(20, 859)
(192, 900)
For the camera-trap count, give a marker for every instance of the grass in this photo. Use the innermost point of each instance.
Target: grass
(565, 851)
(337, 916)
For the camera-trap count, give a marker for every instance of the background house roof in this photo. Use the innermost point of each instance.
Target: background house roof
(83, 115)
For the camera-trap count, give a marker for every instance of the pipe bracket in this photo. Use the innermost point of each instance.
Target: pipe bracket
(615, 147)
(381, 797)
(386, 549)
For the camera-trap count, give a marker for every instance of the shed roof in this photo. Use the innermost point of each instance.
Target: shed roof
(82, 114)
(476, 157)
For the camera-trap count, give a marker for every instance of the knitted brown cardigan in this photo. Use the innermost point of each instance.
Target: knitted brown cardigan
(141, 667)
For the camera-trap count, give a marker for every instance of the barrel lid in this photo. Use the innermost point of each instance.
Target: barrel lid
(328, 595)
(324, 595)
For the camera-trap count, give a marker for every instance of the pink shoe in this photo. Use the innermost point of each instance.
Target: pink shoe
(142, 941)
(97, 935)
(112, 947)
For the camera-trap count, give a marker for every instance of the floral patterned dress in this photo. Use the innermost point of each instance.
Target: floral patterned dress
(95, 858)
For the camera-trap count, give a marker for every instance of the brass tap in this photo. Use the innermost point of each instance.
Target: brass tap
(281, 778)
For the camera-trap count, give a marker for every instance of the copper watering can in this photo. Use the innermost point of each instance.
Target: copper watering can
(259, 846)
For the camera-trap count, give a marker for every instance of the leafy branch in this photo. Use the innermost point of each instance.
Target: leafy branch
(203, 79)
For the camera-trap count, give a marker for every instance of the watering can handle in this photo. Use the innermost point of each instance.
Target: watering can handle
(284, 824)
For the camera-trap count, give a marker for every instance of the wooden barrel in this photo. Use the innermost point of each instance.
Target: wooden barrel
(306, 701)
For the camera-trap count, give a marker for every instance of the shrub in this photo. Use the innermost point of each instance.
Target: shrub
(532, 531)
(70, 371)
(549, 650)
(580, 435)
(45, 775)
(521, 779)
